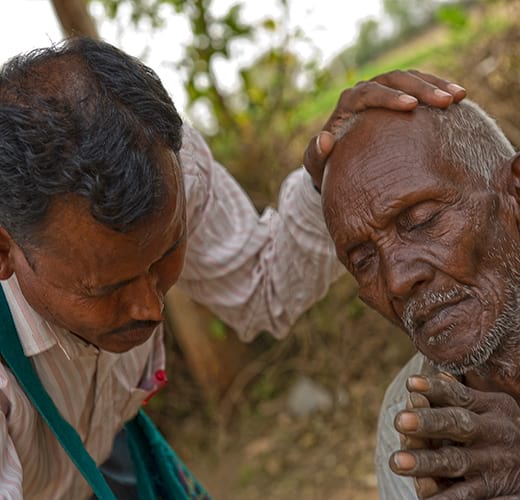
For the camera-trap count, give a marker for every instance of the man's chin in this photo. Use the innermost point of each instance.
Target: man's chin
(121, 341)
(459, 359)
(124, 341)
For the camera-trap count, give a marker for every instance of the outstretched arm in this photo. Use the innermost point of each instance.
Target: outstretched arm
(260, 272)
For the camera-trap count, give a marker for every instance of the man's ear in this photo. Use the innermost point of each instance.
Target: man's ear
(6, 247)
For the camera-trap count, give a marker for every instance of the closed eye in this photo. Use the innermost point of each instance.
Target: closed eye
(361, 257)
(423, 224)
(421, 216)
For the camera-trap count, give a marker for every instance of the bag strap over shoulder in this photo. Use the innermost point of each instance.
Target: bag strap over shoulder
(12, 352)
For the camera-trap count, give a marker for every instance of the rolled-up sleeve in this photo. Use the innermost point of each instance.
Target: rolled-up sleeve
(10, 466)
(256, 272)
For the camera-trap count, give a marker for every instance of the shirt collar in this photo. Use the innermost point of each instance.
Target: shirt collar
(35, 333)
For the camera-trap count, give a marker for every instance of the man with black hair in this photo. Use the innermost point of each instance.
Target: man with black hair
(106, 201)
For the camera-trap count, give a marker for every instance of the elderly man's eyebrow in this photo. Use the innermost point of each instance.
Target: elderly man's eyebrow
(352, 245)
(105, 289)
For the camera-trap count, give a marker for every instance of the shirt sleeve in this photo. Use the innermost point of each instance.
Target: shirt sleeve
(390, 485)
(10, 467)
(256, 272)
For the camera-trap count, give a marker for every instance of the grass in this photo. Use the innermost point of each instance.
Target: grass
(422, 53)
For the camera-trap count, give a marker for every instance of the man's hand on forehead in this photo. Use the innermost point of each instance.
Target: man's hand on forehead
(396, 90)
(458, 442)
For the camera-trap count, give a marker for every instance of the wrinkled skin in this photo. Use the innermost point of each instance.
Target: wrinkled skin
(396, 90)
(461, 443)
(404, 225)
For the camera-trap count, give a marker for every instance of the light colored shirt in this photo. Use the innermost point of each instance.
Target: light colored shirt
(256, 272)
(390, 485)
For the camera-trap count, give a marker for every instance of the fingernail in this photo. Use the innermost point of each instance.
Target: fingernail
(407, 422)
(418, 383)
(446, 376)
(407, 99)
(318, 145)
(441, 93)
(453, 87)
(404, 461)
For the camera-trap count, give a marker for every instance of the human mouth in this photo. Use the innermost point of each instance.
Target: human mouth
(436, 326)
(430, 319)
(135, 333)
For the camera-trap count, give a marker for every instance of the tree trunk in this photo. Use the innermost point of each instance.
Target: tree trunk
(75, 18)
(213, 362)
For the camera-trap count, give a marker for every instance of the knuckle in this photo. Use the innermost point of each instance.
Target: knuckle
(463, 422)
(460, 394)
(504, 401)
(453, 461)
(361, 86)
(396, 73)
(345, 93)
(367, 88)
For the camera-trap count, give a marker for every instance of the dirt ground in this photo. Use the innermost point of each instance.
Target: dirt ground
(251, 448)
(247, 446)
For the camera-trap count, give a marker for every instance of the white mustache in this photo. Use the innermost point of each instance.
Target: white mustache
(430, 300)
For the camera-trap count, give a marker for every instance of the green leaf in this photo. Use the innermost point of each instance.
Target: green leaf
(218, 329)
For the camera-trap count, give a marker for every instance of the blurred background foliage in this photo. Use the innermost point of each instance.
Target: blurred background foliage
(265, 120)
(246, 445)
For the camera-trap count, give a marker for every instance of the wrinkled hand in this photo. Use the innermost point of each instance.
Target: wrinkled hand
(397, 90)
(459, 443)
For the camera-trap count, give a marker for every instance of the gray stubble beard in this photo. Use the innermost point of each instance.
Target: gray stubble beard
(498, 351)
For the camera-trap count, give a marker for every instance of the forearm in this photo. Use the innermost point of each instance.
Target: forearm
(255, 272)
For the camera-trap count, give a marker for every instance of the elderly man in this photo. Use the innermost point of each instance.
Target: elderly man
(424, 210)
(106, 201)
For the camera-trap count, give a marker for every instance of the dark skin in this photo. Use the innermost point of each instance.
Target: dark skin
(396, 90)
(451, 431)
(403, 224)
(103, 286)
(108, 288)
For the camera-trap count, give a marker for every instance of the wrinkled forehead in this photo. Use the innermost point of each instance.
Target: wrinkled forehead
(379, 138)
(384, 154)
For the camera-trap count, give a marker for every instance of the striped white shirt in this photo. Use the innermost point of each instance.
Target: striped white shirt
(256, 272)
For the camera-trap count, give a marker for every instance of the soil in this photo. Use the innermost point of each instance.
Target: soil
(248, 446)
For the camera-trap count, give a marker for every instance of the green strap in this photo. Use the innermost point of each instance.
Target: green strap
(12, 352)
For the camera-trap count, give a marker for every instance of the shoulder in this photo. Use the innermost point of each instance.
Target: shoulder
(396, 392)
(195, 153)
(393, 402)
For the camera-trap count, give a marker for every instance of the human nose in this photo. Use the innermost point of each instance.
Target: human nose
(146, 302)
(404, 272)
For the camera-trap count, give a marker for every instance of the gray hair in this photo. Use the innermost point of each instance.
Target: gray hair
(466, 135)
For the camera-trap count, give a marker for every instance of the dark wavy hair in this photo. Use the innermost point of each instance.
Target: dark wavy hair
(83, 118)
